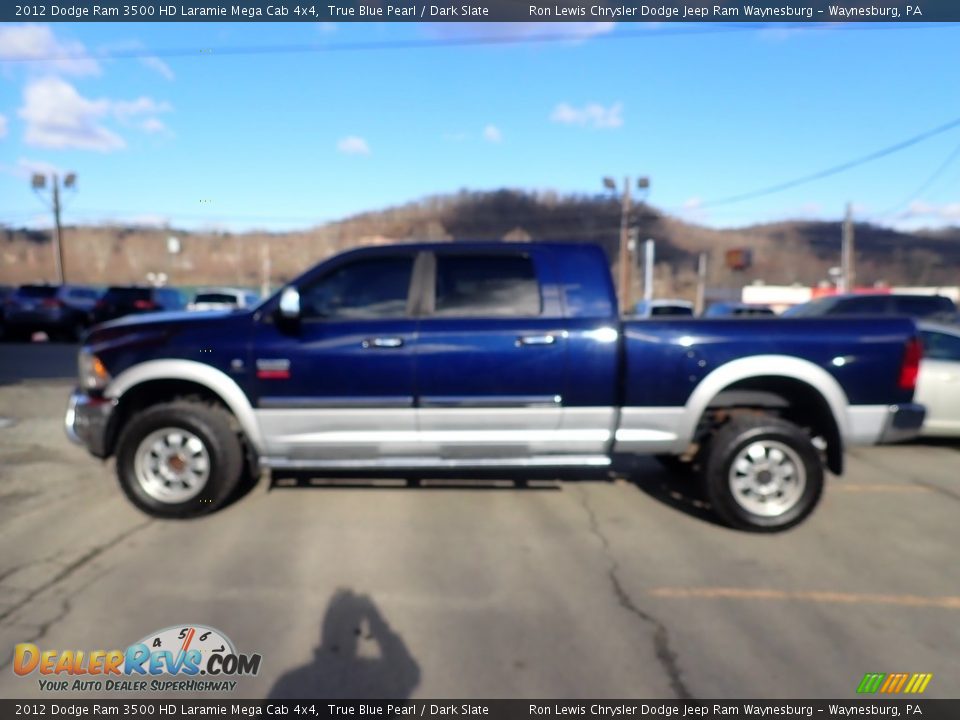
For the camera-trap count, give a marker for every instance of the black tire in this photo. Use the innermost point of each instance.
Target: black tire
(773, 435)
(213, 426)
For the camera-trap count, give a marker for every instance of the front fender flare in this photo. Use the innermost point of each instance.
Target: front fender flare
(215, 380)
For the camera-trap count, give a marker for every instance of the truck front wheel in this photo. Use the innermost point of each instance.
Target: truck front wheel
(762, 473)
(179, 459)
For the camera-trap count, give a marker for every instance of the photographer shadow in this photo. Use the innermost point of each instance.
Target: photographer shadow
(359, 657)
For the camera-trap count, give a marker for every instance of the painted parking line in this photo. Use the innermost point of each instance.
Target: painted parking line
(948, 602)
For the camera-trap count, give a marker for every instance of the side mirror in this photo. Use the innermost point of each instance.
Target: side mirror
(288, 312)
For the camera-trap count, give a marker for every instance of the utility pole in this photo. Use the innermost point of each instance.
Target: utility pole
(648, 260)
(38, 182)
(847, 252)
(264, 269)
(624, 260)
(701, 282)
(624, 255)
(57, 230)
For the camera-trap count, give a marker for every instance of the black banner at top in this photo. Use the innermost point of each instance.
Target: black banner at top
(740, 11)
(181, 709)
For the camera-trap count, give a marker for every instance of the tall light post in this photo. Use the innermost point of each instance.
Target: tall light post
(624, 259)
(39, 182)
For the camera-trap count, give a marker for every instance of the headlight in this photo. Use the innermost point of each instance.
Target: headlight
(93, 373)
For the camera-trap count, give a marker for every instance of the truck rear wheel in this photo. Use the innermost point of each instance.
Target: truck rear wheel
(762, 474)
(179, 459)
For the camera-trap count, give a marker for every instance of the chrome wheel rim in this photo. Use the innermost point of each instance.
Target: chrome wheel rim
(767, 478)
(172, 465)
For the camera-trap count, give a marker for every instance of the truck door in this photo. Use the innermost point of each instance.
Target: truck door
(491, 356)
(341, 389)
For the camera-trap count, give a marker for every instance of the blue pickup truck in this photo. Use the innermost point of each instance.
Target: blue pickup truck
(469, 357)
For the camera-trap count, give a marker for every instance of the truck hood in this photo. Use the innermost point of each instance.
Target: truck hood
(158, 328)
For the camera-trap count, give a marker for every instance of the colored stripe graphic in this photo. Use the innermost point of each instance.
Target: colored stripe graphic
(871, 682)
(893, 683)
(918, 683)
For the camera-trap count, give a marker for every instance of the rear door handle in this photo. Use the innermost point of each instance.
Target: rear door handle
(536, 340)
(382, 342)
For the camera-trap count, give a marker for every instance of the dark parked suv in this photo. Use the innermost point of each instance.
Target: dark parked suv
(121, 300)
(64, 312)
(918, 306)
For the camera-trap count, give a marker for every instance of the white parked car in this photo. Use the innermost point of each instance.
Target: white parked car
(938, 385)
(223, 299)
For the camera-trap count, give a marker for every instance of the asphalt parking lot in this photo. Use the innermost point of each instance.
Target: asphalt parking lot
(559, 590)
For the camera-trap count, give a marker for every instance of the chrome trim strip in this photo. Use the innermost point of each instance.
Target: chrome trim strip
(490, 401)
(307, 403)
(467, 437)
(436, 462)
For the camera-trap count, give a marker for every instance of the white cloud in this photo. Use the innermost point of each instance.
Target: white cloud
(3, 126)
(693, 203)
(141, 106)
(153, 126)
(38, 44)
(59, 117)
(920, 209)
(25, 168)
(155, 63)
(592, 115)
(491, 133)
(353, 145)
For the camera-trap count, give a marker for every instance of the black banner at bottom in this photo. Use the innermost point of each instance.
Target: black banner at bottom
(493, 709)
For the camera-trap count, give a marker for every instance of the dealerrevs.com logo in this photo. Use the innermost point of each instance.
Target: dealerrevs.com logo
(181, 658)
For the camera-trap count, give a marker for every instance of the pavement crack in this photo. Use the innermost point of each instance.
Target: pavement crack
(666, 656)
(71, 568)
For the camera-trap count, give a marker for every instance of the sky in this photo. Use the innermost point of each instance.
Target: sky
(234, 126)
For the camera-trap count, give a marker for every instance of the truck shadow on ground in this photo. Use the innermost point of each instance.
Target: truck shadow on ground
(681, 493)
(359, 656)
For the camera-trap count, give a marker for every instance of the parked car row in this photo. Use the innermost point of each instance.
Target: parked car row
(66, 312)
(916, 306)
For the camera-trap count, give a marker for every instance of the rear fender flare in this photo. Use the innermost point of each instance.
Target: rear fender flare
(785, 366)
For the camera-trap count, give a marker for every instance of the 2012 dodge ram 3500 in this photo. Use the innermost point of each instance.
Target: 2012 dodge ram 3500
(466, 357)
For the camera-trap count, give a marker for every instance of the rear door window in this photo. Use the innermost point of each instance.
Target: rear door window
(486, 286)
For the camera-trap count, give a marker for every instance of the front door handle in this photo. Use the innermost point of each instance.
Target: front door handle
(382, 342)
(536, 340)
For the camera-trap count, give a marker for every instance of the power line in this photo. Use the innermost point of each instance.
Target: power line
(430, 43)
(923, 188)
(836, 168)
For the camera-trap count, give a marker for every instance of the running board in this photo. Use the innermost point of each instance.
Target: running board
(435, 463)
